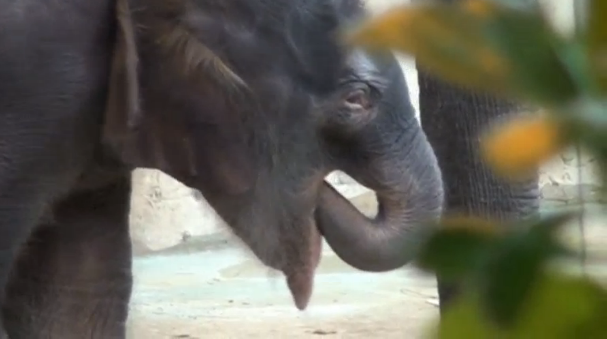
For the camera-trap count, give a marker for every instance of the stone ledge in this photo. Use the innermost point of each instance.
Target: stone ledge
(365, 202)
(571, 194)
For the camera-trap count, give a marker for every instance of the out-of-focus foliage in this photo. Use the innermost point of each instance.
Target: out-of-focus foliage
(519, 147)
(557, 307)
(479, 44)
(511, 51)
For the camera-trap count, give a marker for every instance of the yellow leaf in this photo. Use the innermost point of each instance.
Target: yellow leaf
(481, 8)
(478, 44)
(520, 147)
(445, 39)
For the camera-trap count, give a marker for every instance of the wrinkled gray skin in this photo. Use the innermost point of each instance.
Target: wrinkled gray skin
(251, 102)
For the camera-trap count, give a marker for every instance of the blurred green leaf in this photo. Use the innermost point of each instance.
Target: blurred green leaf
(533, 48)
(520, 4)
(597, 40)
(514, 264)
(457, 249)
(563, 307)
(465, 319)
(558, 307)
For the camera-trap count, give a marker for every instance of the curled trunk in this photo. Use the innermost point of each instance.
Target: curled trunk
(409, 198)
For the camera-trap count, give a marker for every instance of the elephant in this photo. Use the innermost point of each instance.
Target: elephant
(453, 118)
(250, 102)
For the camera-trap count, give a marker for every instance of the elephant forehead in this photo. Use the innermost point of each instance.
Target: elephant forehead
(256, 37)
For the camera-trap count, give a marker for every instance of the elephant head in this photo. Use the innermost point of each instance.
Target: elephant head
(253, 103)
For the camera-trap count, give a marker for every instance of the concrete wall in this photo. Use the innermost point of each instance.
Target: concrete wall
(165, 213)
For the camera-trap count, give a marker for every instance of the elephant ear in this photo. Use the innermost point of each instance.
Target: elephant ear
(164, 123)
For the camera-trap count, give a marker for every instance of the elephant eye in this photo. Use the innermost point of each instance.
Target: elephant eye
(359, 96)
(362, 94)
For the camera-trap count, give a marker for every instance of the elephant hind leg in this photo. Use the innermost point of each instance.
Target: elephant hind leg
(73, 279)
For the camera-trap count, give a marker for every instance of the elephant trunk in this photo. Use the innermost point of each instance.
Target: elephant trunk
(407, 181)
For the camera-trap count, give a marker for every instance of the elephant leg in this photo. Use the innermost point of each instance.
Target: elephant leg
(21, 204)
(73, 279)
(453, 119)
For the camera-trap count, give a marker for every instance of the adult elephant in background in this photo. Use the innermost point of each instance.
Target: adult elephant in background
(251, 102)
(453, 118)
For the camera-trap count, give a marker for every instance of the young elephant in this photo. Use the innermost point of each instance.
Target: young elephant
(252, 102)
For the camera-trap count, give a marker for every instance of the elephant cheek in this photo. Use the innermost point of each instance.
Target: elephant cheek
(234, 176)
(227, 168)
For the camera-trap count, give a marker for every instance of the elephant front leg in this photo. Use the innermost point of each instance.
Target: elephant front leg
(73, 279)
(21, 205)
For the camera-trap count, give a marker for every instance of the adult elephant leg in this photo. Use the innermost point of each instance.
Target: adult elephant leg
(452, 119)
(73, 278)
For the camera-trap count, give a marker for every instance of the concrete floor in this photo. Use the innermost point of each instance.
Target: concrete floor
(226, 294)
(211, 288)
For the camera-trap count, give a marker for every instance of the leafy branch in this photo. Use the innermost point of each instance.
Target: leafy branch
(513, 52)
